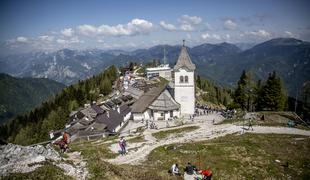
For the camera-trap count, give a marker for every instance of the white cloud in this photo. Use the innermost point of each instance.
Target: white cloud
(21, 39)
(217, 37)
(100, 41)
(186, 19)
(167, 26)
(134, 27)
(72, 40)
(87, 30)
(61, 41)
(206, 36)
(46, 38)
(67, 32)
(229, 24)
(186, 27)
(288, 33)
(260, 33)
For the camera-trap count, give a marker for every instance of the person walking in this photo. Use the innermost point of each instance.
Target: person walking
(250, 124)
(122, 144)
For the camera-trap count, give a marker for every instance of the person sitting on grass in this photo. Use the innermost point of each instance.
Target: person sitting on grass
(175, 170)
(189, 169)
(206, 174)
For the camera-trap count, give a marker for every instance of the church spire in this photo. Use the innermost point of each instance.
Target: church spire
(184, 61)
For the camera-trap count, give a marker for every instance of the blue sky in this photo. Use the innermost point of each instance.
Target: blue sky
(51, 25)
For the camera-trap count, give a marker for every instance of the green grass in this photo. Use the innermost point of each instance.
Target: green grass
(94, 155)
(240, 157)
(47, 171)
(136, 139)
(164, 134)
(100, 169)
(271, 119)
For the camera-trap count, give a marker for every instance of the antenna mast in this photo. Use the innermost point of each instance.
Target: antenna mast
(165, 59)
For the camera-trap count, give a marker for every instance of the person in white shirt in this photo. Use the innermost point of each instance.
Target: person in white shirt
(175, 169)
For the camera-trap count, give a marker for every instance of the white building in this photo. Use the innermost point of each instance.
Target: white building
(156, 104)
(184, 82)
(161, 104)
(163, 71)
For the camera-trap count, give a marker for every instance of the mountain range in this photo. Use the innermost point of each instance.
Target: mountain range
(222, 62)
(19, 95)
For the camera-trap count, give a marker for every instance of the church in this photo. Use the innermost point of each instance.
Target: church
(170, 100)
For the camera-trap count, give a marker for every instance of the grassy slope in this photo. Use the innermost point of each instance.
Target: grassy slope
(240, 157)
(271, 119)
(47, 171)
(164, 134)
(231, 157)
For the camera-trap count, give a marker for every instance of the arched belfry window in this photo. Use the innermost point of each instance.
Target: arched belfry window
(181, 79)
(186, 79)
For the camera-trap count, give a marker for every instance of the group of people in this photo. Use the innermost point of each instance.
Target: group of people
(191, 170)
(204, 109)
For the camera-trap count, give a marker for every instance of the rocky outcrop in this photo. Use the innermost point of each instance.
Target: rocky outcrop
(16, 158)
(22, 159)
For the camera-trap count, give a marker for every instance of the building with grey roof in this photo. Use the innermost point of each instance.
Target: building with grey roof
(156, 104)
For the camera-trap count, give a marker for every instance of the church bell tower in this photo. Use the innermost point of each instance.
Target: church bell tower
(184, 82)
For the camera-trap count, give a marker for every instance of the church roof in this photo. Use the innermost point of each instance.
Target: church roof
(184, 61)
(147, 98)
(164, 102)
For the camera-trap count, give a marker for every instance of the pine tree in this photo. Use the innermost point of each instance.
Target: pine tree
(198, 80)
(240, 95)
(106, 86)
(272, 96)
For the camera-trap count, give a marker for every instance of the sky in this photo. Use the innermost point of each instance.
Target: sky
(119, 24)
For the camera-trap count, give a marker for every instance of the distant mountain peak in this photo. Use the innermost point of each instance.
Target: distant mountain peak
(283, 42)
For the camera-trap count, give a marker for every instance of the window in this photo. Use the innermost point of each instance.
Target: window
(181, 79)
(186, 79)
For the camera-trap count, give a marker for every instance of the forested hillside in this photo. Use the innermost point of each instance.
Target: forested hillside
(19, 95)
(34, 126)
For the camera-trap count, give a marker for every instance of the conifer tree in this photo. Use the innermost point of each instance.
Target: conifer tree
(241, 93)
(272, 96)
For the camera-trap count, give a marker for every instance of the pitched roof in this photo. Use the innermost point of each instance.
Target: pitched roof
(96, 126)
(111, 121)
(147, 98)
(164, 102)
(184, 61)
(98, 109)
(125, 109)
(133, 92)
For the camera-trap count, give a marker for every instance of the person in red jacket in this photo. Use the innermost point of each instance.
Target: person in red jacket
(206, 174)
(65, 137)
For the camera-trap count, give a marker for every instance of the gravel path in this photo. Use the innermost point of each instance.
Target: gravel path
(137, 152)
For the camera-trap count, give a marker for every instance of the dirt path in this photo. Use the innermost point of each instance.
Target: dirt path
(77, 168)
(137, 152)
